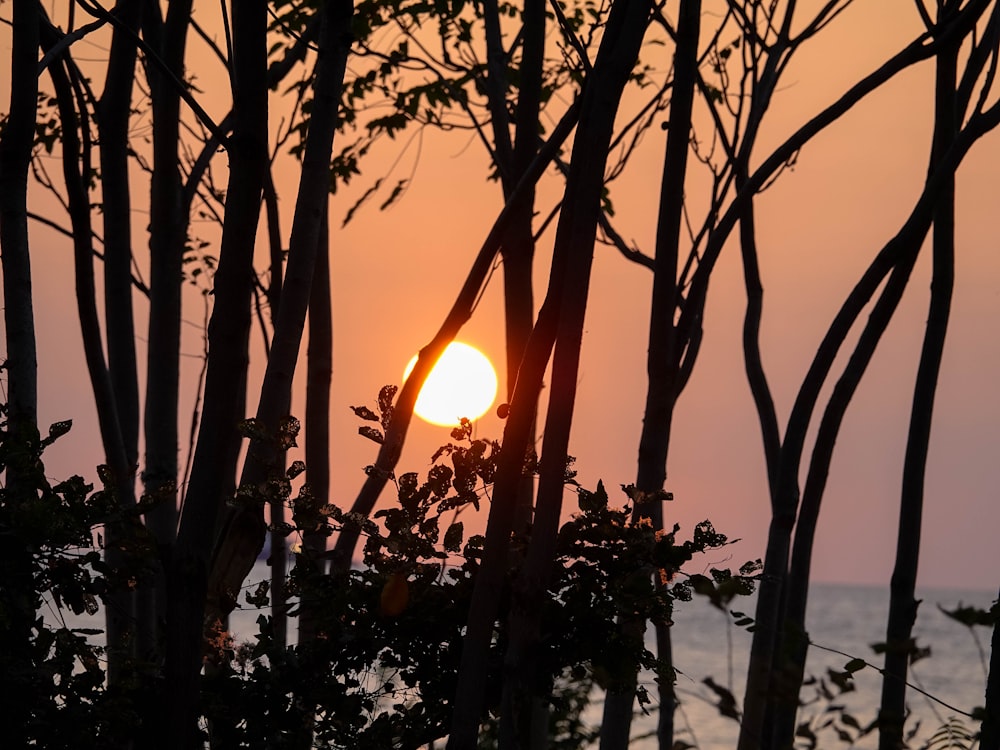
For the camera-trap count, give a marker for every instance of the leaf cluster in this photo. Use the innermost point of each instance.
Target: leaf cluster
(51, 674)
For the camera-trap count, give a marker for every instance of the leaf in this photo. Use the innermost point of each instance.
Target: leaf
(365, 413)
(842, 680)
(259, 598)
(288, 431)
(396, 192)
(592, 502)
(56, 431)
(638, 496)
(439, 479)
(385, 397)
(295, 469)
(855, 665)
(727, 701)
(453, 537)
(850, 721)
(360, 202)
(371, 433)
(970, 616)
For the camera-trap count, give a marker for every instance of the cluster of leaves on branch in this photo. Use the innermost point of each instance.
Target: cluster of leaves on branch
(54, 578)
(423, 63)
(382, 670)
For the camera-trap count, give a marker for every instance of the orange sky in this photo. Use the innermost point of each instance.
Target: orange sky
(395, 275)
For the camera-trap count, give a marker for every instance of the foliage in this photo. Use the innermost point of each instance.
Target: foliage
(420, 65)
(382, 670)
(54, 579)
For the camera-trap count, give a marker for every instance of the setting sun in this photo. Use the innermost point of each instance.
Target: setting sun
(463, 383)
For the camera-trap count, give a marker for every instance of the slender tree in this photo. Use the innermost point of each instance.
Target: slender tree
(902, 602)
(771, 601)
(319, 369)
(663, 366)
(990, 737)
(112, 115)
(16, 144)
(120, 475)
(241, 534)
(166, 40)
(218, 440)
(560, 324)
(21, 366)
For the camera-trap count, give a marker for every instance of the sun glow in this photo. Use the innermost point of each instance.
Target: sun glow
(463, 383)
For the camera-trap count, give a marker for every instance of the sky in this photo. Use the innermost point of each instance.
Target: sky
(395, 274)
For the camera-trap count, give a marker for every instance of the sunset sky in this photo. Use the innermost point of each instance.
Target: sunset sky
(395, 274)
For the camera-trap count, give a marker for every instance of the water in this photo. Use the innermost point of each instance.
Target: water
(845, 618)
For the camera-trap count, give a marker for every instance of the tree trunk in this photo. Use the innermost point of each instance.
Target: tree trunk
(990, 736)
(241, 534)
(560, 323)
(518, 247)
(771, 597)
(790, 658)
(76, 154)
(21, 365)
(319, 371)
(167, 234)
(113, 112)
(663, 366)
(218, 440)
(517, 250)
(15, 155)
(902, 602)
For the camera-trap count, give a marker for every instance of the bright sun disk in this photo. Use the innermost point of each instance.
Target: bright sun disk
(463, 383)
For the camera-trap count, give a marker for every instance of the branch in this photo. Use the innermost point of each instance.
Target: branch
(96, 10)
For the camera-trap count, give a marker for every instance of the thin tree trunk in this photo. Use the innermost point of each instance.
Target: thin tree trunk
(663, 367)
(113, 112)
(21, 364)
(789, 668)
(167, 235)
(76, 153)
(15, 155)
(902, 601)
(990, 737)
(242, 531)
(517, 250)
(218, 440)
(770, 602)
(319, 371)
(561, 324)
(278, 559)
(518, 247)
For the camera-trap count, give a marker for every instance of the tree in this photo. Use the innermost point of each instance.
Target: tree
(20, 364)
(513, 594)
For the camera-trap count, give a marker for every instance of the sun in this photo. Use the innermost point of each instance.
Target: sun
(463, 383)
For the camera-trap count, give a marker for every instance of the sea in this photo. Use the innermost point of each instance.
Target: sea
(843, 621)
